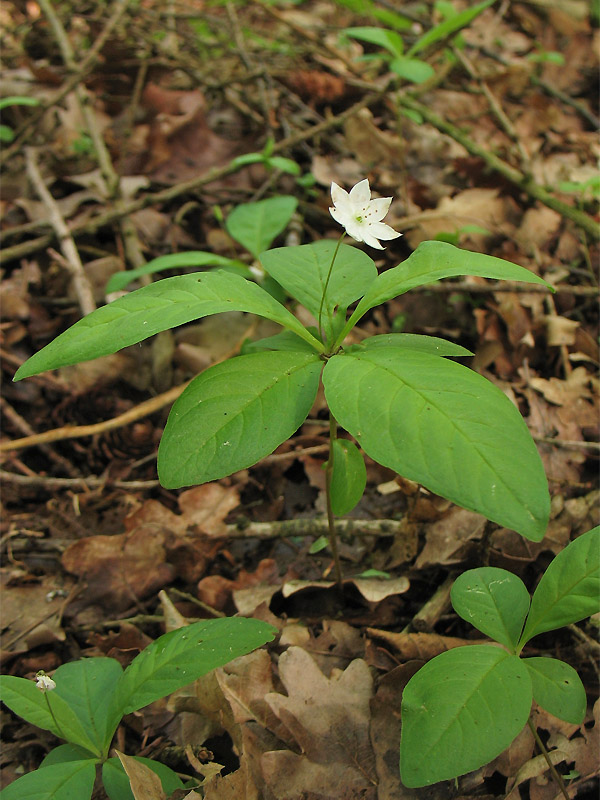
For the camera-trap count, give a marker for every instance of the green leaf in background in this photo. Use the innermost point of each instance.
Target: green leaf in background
(430, 262)
(449, 26)
(6, 134)
(18, 100)
(284, 164)
(444, 426)
(349, 476)
(569, 589)
(178, 658)
(25, 699)
(255, 225)
(557, 688)
(86, 686)
(494, 600)
(193, 258)
(235, 413)
(67, 752)
(302, 271)
(461, 710)
(415, 341)
(389, 40)
(286, 340)
(116, 782)
(66, 781)
(155, 308)
(412, 69)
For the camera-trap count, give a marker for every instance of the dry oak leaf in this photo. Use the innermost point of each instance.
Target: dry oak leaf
(119, 570)
(329, 720)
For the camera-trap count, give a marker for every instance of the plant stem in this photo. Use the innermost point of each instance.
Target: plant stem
(554, 772)
(53, 717)
(335, 252)
(333, 542)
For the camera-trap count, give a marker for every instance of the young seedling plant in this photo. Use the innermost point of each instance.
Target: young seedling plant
(398, 396)
(465, 706)
(84, 702)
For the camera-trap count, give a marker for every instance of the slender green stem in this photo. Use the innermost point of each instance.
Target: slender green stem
(333, 543)
(53, 717)
(335, 252)
(554, 772)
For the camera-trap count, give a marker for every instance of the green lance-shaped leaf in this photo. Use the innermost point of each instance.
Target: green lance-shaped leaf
(569, 590)
(255, 225)
(557, 688)
(414, 341)
(193, 258)
(442, 425)
(236, 413)
(449, 26)
(86, 686)
(430, 262)
(74, 779)
(67, 752)
(494, 600)
(159, 307)
(461, 710)
(389, 40)
(47, 710)
(412, 69)
(349, 476)
(180, 657)
(302, 271)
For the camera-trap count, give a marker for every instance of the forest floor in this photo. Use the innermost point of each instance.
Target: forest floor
(495, 151)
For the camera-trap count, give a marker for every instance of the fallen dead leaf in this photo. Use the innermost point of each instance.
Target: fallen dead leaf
(421, 646)
(329, 721)
(145, 783)
(449, 540)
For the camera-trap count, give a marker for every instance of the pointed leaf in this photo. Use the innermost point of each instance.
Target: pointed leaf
(255, 225)
(87, 686)
(302, 271)
(442, 425)
(60, 782)
(557, 688)
(412, 69)
(569, 589)
(449, 26)
(236, 413)
(415, 341)
(430, 262)
(494, 600)
(47, 710)
(286, 340)
(180, 657)
(349, 476)
(389, 40)
(158, 307)
(461, 710)
(193, 258)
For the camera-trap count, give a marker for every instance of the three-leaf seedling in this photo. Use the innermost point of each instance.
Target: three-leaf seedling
(465, 706)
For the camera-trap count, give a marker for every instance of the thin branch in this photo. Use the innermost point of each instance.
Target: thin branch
(81, 284)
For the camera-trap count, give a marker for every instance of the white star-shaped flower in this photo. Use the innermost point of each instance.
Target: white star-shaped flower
(361, 216)
(44, 682)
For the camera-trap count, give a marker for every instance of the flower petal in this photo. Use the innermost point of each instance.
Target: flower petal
(355, 229)
(338, 195)
(341, 216)
(383, 231)
(369, 239)
(361, 193)
(378, 208)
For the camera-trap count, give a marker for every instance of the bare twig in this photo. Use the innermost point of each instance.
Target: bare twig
(81, 284)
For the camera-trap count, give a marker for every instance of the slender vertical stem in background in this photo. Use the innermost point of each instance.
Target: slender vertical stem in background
(333, 543)
(335, 252)
(555, 774)
(59, 729)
